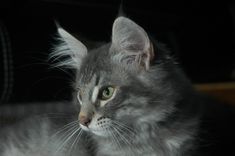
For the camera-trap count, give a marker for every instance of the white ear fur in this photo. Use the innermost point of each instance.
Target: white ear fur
(131, 43)
(71, 49)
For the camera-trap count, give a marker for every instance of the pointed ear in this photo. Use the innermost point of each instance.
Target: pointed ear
(71, 51)
(131, 43)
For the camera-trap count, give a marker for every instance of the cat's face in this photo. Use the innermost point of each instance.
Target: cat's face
(108, 94)
(113, 89)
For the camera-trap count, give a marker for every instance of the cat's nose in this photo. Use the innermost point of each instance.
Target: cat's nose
(84, 120)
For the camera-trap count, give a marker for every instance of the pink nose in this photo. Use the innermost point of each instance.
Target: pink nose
(84, 120)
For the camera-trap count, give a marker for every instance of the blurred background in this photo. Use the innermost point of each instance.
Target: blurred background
(200, 35)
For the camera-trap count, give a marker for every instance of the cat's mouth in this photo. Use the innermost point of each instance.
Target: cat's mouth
(85, 128)
(97, 131)
(99, 125)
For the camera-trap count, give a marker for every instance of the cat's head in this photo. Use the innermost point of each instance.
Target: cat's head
(116, 84)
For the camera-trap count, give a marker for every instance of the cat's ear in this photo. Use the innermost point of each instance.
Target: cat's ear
(71, 50)
(131, 44)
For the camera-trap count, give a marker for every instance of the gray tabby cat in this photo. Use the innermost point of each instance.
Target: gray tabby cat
(133, 100)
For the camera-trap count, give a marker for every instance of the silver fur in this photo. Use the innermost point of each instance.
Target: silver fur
(149, 114)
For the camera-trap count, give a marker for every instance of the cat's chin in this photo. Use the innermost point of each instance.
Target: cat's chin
(99, 133)
(84, 128)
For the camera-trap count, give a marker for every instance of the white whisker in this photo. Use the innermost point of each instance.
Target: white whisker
(122, 129)
(66, 134)
(116, 140)
(125, 127)
(67, 126)
(123, 138)
(76, 140)
(110, 133)
(67, 138)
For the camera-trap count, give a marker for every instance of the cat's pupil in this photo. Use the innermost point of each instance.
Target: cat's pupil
(106, 92)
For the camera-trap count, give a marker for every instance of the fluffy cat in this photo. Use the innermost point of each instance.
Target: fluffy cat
(133, 100)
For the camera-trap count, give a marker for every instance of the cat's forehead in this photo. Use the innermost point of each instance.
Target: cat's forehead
(95, 66)
(99, 69)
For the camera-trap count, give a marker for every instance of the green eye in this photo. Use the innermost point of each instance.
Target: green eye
(106, 93)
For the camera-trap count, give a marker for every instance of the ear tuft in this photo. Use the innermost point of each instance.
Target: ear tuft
(69, 52)
(131, 43)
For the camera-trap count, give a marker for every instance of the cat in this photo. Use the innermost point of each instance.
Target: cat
(133, 100)
(128, 102)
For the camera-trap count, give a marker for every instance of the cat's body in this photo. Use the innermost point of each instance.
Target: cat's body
(36, 137)
(133, 100)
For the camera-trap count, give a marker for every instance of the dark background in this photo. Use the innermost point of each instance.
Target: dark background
(201, 36)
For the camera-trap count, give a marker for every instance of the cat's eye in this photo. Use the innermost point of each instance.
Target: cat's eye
(106, 93)
(79, 95)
